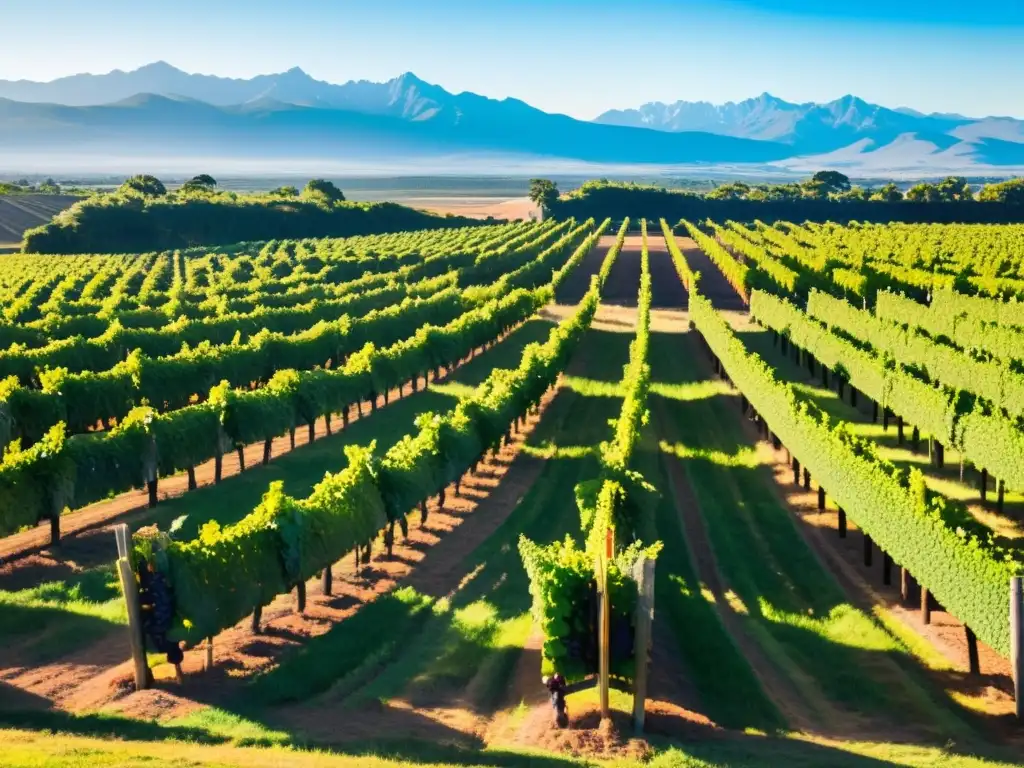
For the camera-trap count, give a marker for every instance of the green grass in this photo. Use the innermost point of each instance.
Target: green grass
(343, 658)
(729, 692)
(793, 607)
(35, 749)
(47, 619)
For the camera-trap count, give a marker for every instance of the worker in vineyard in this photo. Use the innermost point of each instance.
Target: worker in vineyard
(157, 610)
(557, 689)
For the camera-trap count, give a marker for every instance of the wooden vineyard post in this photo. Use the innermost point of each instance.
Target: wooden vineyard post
(604, 628)
(328, 581)
(644, 619)
(973, 663)
(926, 605)
(867, 550)
(842, 523)
(1017, 642)
(904, 583)
(886, 569)
(130, 590)
(208, 660)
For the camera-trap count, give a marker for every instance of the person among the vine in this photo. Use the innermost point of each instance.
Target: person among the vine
(557, 690)
(157, 611)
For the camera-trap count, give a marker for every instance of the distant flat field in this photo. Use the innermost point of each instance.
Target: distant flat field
(477, 207)
(21, 212)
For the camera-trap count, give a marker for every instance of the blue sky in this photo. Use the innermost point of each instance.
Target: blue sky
(575, 57)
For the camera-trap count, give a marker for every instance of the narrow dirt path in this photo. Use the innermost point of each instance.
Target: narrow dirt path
(713, 284)
(777, 686)
(571, 291)
(624, 279)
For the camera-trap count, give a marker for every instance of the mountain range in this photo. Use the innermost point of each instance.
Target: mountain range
(161, 111)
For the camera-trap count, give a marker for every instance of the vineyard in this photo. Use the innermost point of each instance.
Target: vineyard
(755, 491)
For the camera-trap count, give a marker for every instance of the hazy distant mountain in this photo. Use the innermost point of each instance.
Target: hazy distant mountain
(148, 124)
(161, 109)
(848, 127)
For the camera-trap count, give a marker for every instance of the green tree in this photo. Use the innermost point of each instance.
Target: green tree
(736, 190)
(321, 190)
(831, 182)
(203, 180)
(923, 193)
(890, 193)
(143, 185)
(203, 183)
(1010, 191)
(286, 191)
(955, 189)
(543, 193)
(854, 194)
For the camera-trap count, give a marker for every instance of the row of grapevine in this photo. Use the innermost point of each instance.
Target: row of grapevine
(935, 540)
(688, 277)
(738, 275)
(237, 299)
(58, 473)
(562, 575)
(82, 400)
(768, 268)
(949, 317)
(989, 440)
(151, 298)
(227, 573)
(997, 382)
(78, 353)
(114, 344)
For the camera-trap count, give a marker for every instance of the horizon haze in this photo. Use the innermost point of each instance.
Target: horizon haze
(762, 87)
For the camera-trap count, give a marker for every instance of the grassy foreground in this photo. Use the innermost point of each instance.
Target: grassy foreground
(33, 749)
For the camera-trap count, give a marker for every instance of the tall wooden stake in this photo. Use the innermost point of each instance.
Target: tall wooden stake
(130, 590)
(1017, 642)
(604, 636)
(642, 643)
(973, 663)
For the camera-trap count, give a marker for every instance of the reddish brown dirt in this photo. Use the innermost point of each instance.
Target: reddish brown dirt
(577, 283)
(624, 279)
(667, 291)
(98, 675)
(713, 284)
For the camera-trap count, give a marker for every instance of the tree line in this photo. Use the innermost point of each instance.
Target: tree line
(143, 215)
(826, 196)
